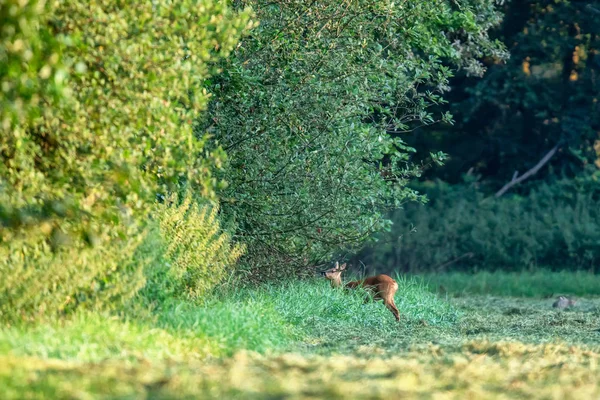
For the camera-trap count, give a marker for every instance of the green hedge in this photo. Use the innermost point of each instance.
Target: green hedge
(311, 106)
(97, 103)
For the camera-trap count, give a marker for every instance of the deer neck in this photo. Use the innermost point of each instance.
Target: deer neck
(335, 283)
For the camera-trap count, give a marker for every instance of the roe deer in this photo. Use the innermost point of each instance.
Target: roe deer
(564, 302)
(382, 287)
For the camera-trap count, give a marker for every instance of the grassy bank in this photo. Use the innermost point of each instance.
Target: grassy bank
(304, 339)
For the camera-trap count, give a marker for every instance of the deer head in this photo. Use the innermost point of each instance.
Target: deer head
(335, 274)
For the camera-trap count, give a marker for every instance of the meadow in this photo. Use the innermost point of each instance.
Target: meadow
(303, 339)
(170, 170)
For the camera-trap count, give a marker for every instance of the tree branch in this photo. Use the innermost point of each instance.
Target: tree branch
(516, 180)
(592, 9)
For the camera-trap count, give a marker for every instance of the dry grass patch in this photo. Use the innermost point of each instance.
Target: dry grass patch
(478, 369)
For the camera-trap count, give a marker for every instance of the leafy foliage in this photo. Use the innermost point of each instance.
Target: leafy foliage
(198, 253)
(545, 95)
(97, 106)
(31, 69)
(310, 109)
(36, 281)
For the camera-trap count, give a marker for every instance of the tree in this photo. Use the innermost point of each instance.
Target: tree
(546, 95)
(311, 108)
(539, 112)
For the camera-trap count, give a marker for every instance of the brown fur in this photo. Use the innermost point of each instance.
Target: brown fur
(382, 287)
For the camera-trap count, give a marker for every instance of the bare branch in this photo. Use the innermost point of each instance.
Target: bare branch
(593, 9)
(516, 180)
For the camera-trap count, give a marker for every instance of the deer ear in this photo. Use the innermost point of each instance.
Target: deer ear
(343, 267)
(337, 265)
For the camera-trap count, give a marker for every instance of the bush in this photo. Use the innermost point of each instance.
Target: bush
(37, 281)
(198, 254)
(311, 109)
(554, 226)
(97, 108)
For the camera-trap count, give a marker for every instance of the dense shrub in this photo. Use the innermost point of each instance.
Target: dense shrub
(311, 108)
(97, 107)
(37, 281)
(198, 253)
(555, 226)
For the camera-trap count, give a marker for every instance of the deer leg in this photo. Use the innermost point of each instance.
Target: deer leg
(392, 307)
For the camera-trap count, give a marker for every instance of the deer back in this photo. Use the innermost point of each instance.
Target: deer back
(381, 286)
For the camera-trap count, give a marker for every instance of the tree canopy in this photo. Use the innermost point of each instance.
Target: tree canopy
(546, 95)
(311, 108)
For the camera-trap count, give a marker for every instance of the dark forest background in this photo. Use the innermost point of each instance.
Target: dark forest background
(535, 117)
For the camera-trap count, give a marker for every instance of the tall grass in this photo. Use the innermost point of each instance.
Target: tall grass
(198, 253)
(270, 318)
(314, 305)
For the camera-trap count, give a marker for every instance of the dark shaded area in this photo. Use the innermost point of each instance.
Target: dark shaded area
(546, 96)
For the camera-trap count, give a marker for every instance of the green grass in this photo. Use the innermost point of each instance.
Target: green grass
(315, 309)
(305, 339)
(89, 337)
(522, 284)
(270, 318)
(229, 323)
(176, 331)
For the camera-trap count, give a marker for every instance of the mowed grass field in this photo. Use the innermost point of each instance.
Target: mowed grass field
(306, 340)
